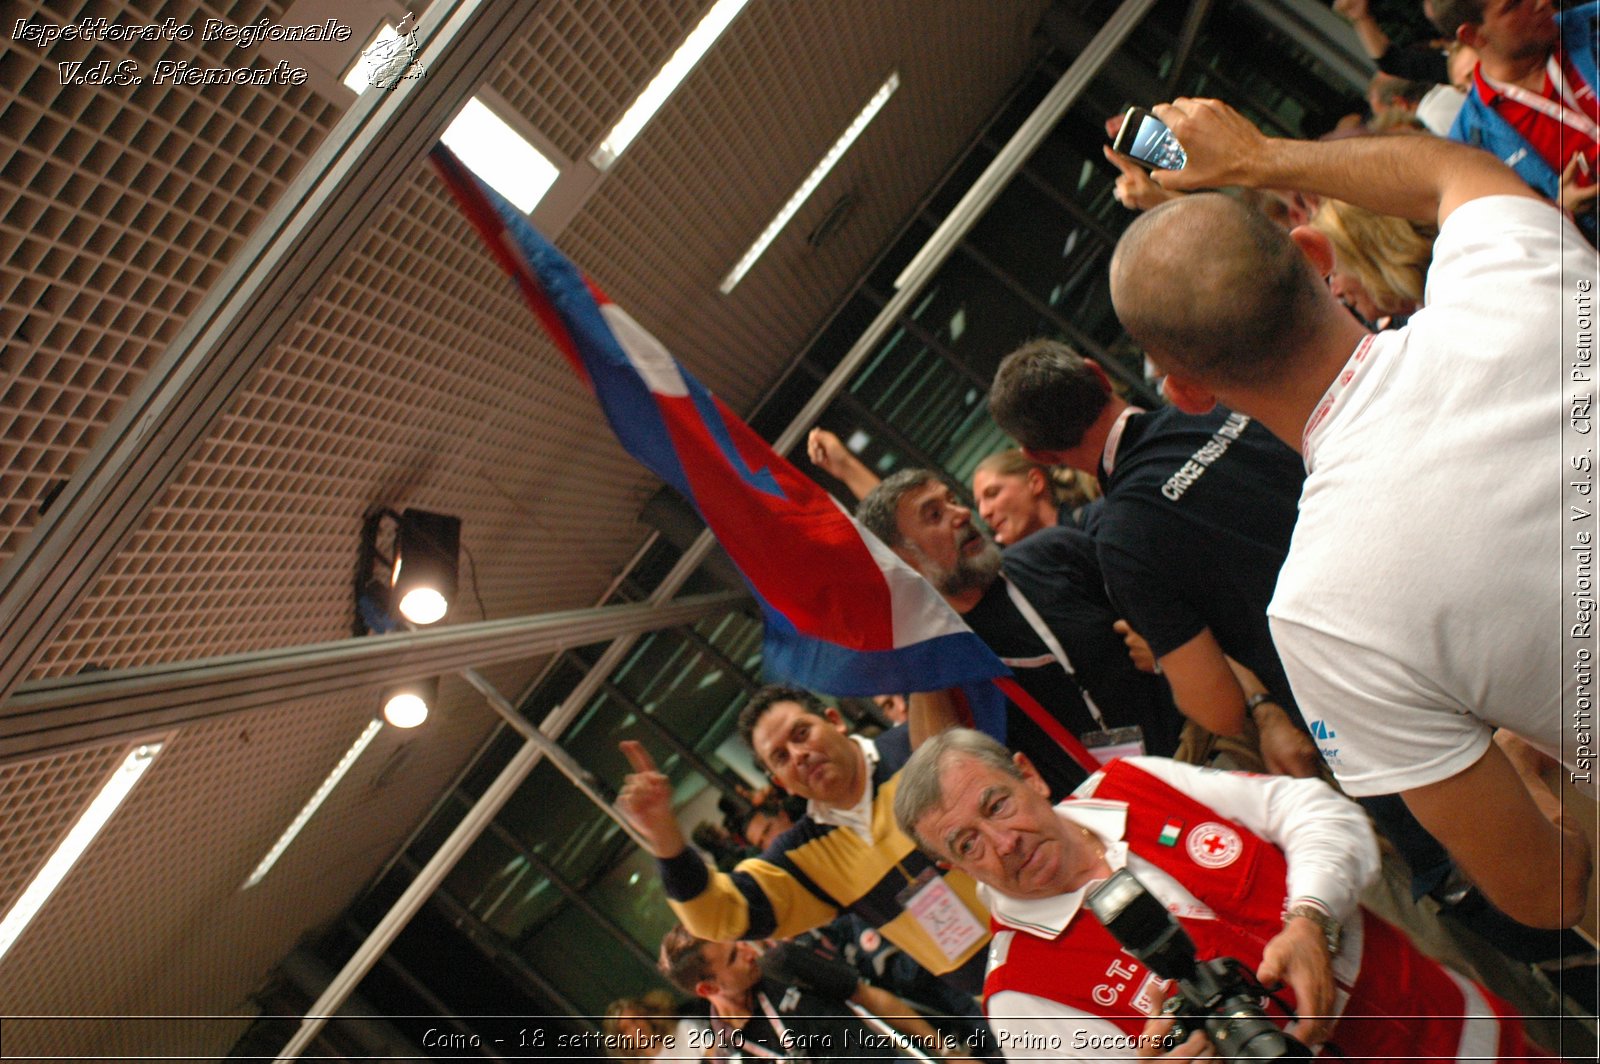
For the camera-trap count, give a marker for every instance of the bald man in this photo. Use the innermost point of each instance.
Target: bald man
(1420, 607)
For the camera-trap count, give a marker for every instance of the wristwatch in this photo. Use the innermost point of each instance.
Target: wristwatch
(1332, 930)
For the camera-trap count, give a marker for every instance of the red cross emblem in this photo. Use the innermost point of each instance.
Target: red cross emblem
(1214, 845)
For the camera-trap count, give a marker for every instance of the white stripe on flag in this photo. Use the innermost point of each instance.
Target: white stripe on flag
(919, 612)
(649, 358)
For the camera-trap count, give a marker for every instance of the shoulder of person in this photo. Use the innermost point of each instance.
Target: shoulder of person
(1050, 542)
(894, 746)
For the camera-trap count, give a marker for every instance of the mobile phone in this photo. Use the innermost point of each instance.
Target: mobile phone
(1146, 140)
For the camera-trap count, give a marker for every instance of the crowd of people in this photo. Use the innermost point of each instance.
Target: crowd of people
(1302, 630)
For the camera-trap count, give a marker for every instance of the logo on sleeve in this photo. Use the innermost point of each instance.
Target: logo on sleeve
(1214, 845)
(1323, 735)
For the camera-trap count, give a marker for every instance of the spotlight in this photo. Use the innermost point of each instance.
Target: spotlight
(407, 706)
(427, 550)
(405, 570)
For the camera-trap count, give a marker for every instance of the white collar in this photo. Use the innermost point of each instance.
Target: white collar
(1048, 917)
(857, 817)
(1317, 424)
(1108, 456)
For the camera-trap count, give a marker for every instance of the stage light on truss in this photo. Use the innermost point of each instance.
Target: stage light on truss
(426, 563)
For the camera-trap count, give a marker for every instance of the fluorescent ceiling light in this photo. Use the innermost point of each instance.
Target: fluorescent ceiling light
(809, 185)
(699, 41)
(315, 803)
(500, 155)
(94, 818)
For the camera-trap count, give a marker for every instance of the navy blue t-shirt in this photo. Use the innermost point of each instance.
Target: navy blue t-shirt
(1197, 520)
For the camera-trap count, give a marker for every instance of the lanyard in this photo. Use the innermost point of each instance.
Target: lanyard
(1108, 458)
(750, 1045)
(1331, 397)
(1567, 111)
(1041, 630)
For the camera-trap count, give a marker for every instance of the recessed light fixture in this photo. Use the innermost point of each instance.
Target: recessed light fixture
(699, 41)
(112, 793)
(500, 155)
(310, 808)
(809, 185)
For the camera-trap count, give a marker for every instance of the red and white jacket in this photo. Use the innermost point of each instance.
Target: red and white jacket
(1225, 852)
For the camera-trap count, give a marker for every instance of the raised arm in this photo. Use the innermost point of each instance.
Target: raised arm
(759, 899)
(1507, 832)
(646, 800)
(1424, 178)
(1370, 34)
(829, 454)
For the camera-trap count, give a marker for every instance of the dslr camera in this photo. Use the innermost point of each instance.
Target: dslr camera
(1220, 997)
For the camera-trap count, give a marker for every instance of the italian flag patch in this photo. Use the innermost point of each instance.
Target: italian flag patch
(1169, 833)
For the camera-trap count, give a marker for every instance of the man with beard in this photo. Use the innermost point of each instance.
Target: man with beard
(1042, 608)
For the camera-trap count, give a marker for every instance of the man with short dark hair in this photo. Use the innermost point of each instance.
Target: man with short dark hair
(1197, 517)
(1264, 869)
(1532, 98)
(843, 855)
(806, 1013)
(1042, 608)
(1412, 619)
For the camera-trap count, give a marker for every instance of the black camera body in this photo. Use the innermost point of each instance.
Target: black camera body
(1220, 996)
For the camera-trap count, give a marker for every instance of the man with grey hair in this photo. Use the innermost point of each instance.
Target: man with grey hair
(1042, 607)
(1265, 869)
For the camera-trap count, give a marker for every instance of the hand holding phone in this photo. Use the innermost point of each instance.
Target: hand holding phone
(1219, 147)
(1145, 139)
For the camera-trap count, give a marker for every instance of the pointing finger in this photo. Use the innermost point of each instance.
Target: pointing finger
(637, 756)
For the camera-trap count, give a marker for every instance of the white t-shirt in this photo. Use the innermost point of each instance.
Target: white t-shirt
(1421, 602)
(1326, 839)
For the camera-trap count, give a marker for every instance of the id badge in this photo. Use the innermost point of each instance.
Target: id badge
(943, 915)
(1114, 742)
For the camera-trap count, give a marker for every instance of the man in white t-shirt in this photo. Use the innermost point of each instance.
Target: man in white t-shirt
(1420, 607)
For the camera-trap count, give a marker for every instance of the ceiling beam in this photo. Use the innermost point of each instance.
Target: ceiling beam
(94, 707)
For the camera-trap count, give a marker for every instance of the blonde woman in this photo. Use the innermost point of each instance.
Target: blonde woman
(1380, 261)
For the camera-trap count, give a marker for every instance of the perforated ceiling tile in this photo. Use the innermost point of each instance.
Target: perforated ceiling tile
(158, 894)
(575, 73)
(40, 800)
(418, 379)
(709, 172)
(119, 205)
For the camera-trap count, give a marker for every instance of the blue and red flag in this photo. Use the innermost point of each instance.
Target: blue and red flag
(844, 615)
